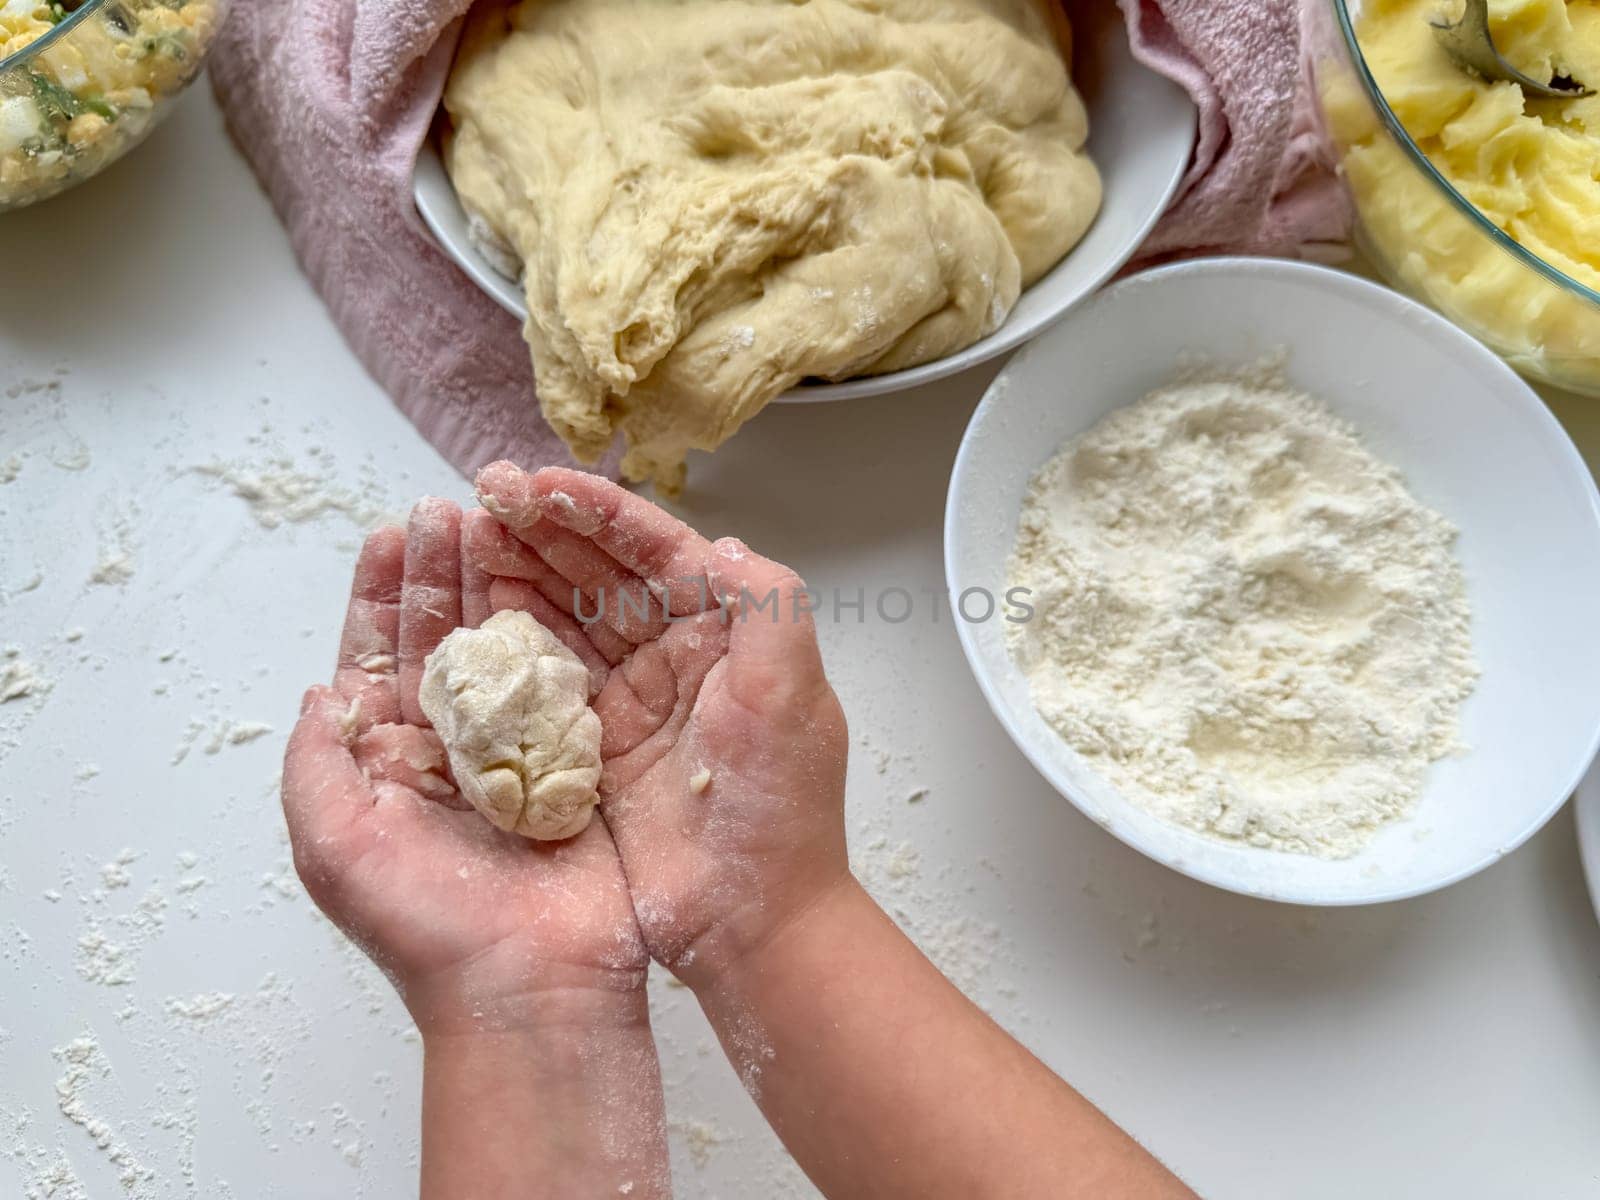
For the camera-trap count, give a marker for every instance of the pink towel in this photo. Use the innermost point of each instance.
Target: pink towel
(1262, 180)
(331, 99)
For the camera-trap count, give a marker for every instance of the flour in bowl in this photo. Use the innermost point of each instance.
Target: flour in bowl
(1243, 619)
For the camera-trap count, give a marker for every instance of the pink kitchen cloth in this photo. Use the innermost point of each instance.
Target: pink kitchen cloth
(330, 100)
(1263, 177)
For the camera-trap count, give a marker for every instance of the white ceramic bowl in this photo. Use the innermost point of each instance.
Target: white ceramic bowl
(1141, 134)
(1473, 441)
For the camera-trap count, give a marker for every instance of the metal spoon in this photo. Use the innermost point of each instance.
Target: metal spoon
(1470, 44)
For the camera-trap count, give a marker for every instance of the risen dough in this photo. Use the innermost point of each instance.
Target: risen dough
(715, 199)
(511, 704)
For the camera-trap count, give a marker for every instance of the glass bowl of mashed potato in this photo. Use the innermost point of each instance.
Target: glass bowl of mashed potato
(83, 83)
(1477, 200)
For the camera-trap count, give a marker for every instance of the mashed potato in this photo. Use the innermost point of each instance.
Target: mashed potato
(93, 92)
(713, 201)
(1532, 167)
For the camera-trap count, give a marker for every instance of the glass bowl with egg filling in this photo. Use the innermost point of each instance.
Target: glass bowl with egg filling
(1477, 200)
(82, 83)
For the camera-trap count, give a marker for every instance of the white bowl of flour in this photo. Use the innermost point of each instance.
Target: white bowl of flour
(1470, 441)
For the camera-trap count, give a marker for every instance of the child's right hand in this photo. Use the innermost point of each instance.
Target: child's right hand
(520, 961)
(478, 929)
(724, 747)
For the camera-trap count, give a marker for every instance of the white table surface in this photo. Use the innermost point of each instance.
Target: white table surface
(1448, 1046)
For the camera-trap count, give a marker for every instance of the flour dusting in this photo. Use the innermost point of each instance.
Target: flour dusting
(83, 1063)
(115, 566)
(19, 678)
(1244, 620)
(281, 491)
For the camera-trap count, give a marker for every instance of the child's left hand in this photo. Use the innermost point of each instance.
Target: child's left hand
(477, 928)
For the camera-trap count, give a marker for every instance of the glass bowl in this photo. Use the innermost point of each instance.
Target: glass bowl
(81, 86)
(1420, 229)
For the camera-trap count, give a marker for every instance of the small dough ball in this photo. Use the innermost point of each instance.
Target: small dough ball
(511, 704)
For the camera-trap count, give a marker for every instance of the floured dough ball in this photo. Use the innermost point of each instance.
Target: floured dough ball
(511, 704)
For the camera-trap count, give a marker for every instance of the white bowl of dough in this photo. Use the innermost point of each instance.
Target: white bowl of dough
(1141, 135)
(1472, 442)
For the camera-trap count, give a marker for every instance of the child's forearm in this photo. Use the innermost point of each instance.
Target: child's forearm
(551, 1114)
(884, 1081)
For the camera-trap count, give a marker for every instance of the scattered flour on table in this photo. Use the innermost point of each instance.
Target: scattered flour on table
(111, 939)
(46, 1172)
(282, 491)
(103, 961)
(30, 583)
(115, 873)
(75, 457)
(83, 1064)
(1244, 620)
(216, 734)
(199, 1008)
(141, 1123)
(49, 389)
(115, 566)
(237, 733)
(19, 678)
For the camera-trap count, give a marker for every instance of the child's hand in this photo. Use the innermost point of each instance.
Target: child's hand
(478, 929)
(724, 746)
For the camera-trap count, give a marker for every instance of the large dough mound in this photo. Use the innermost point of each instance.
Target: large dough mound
(714, 199)
(511, 704)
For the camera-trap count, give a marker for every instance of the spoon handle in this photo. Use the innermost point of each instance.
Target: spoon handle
(1471, 45)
